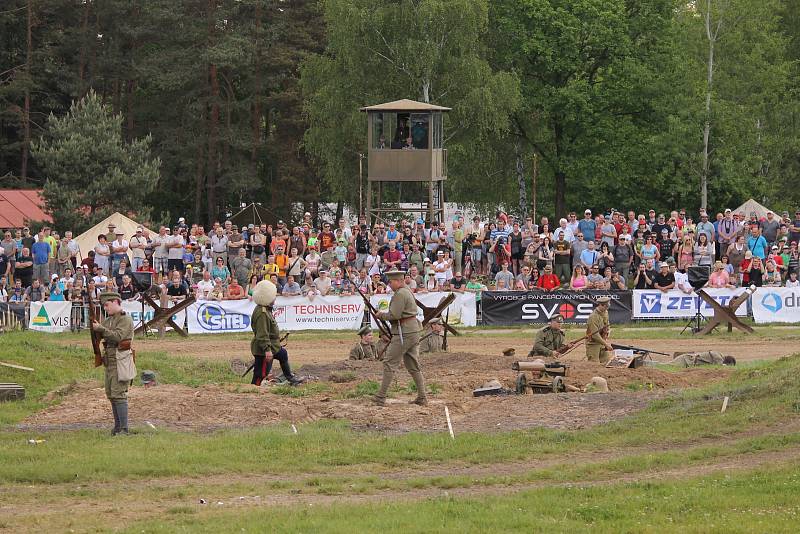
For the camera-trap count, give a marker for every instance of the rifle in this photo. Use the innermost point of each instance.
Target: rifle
(383, 326)
(638, 349)
(572, 344)
(96, 337)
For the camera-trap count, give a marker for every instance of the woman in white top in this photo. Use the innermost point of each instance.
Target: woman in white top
(440, 267)
(372, 263)
(704, 251)
(312, 262)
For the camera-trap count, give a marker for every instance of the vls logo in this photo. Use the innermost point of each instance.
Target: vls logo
(650, 302)
(772, 301)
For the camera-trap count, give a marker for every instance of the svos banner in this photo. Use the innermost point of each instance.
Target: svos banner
(675, 304)
(502, 308)
(291, 313)
(776, 305)
(50, 316)
(462, 311)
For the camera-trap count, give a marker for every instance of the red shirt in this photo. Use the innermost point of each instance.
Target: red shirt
(548, 281)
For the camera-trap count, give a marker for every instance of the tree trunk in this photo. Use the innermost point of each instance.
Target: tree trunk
(712, 38)
(561, 188)
(130, 87)
(83, 54)
(213, 125)
(199, 180)
(523, 195)
(256, 112)
(26, 112)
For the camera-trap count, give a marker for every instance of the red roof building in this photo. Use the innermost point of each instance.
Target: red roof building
(18, 206)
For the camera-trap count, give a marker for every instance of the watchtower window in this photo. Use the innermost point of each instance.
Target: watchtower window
(383, 126)
(419, 130)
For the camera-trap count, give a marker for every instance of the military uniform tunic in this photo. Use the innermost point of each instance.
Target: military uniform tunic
(692, 359)
(114, 329)
(547, 340)
(266, 334)
(364, 352)
(431, 342)
(595, 345)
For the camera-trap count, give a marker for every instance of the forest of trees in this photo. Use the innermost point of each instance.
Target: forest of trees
(624, 103)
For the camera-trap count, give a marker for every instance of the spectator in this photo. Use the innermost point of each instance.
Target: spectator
(126, 289)
(119, 249)
(664, 280)
(458, 283)
(561, 257)
(589, 256)
(720, 277)
(605, 258)
(578, 280)
(205, 286)
(23, 269)
(756, 243)
(8, 255)
(643, 279)
(594, 278)
(3, 289)
(623, 256)
(41, 258)
(548, 281)
(35, 293)
(617, 281)
(18, 294)
(545, 254)
(219, 247)
(769, 228)
(755, 272)
(146, 267)
(122, 269)
(221, 271)
(161, 252)
(138, 244)
(175, 248)
(772, 276)
(608, 232)
(241, 266)
(291, 288)
(517, 252)
(792, 281)
(235, 290)
(587, 226)
(322, 285)
(504, 276)
(704, 251)
(217, 293)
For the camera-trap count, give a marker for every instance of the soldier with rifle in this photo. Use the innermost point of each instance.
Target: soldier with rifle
(549, 341)
(598, 348)
(404, 339)
(116, 331)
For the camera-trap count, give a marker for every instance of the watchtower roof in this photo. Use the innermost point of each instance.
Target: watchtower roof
(405, 105)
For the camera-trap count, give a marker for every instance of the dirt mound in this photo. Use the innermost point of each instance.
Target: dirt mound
(452, 377)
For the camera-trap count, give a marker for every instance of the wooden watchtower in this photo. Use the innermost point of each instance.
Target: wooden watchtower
(405, 140)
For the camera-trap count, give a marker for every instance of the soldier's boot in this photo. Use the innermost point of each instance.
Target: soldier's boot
(380, 398)
(287, 372)
(122, 412)
(116, 419)
(422, 397)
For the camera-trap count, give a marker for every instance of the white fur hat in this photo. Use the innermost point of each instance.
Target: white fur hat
(265, 292)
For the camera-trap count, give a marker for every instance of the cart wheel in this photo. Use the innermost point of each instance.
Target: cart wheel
(558, 384)
(522, 384)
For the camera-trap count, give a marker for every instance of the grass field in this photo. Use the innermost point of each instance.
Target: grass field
(679, 465)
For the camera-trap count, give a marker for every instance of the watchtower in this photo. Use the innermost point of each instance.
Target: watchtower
(405, 140)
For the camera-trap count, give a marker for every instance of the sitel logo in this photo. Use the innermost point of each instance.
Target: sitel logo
(650, 302)
(772, 302)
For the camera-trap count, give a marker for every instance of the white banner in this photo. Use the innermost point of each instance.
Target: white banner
(675, 304)
(291, 313)
(463, 310)
(776, 305)
(51, 316)
(134, 309)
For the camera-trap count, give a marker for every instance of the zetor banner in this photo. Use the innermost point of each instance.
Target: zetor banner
(776, 305)
(675, 304)
(502, 308)
(462, 311)
(291, 313)
(51, 316)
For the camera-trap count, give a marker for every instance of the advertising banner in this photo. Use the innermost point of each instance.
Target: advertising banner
(462, 311)
(50, 316)
(675, 304)
(134, 309)
(291, 313)
(503, 308)
(776, 305)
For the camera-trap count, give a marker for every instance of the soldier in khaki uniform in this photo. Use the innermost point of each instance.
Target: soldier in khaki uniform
(365, 349)
(598, 348)
(549, 341)
(432, 337)
(117, 332)
(404, 345)
(694, 359)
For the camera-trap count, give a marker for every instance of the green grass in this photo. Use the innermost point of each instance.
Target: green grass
(760, 501)
(367, 388)
(304, 390)
(57, 366)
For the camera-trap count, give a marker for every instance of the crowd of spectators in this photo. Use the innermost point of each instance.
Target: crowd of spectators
(610, 251)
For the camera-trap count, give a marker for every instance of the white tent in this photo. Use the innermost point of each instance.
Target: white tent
(88, 239)
(751, 206)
